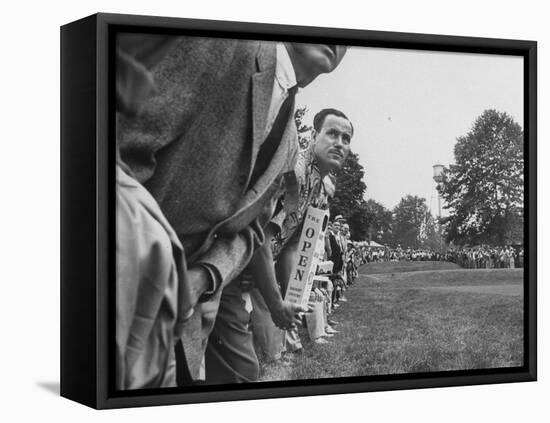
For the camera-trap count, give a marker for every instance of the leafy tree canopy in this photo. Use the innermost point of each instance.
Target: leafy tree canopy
(409, 222)
(304, 131)
(483, 191)
(379, 222)
(350, 189)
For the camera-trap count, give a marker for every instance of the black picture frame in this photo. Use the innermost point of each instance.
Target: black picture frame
(87, 215)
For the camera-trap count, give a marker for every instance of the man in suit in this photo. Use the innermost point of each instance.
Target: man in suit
(336, 247)
(213, 147)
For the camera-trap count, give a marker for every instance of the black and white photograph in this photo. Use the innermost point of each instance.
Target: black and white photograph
(290, 211)
(275, 211)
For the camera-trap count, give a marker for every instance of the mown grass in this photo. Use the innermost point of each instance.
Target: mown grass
(418, 321)
(406, 266)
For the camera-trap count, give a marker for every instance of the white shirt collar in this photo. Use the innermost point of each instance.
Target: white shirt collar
(284, 71)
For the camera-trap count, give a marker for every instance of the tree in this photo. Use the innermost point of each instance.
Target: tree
(409, 222)
(304, 131)
(431, 236)
(484, 189)
(350, 189)
(359, 222)
(379, 222)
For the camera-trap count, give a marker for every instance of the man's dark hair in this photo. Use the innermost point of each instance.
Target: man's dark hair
(319, 118)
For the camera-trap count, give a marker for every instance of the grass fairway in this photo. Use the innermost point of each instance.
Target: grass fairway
(406, 266)
(418, 317)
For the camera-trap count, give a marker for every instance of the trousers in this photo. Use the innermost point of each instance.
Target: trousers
(230, 356)
(268, 338)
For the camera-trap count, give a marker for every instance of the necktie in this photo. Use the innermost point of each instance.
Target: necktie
(271, 143)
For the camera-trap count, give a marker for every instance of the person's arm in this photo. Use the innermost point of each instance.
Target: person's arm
(284, 314)
(328, 249)
(229, 255)
(284, 264)
(263, 271)
(214, 269)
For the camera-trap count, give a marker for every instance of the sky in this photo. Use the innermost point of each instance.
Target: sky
(408, 107)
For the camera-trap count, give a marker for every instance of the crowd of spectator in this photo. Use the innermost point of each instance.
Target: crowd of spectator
(479, 257)
(487, 257)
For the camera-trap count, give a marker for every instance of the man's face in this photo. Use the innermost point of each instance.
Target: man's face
(316, 59)
(332, 143)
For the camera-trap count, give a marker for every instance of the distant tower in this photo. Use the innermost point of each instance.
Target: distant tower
(438, 178)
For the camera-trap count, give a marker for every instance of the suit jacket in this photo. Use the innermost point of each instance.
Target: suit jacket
(336, 253)
(195, 147)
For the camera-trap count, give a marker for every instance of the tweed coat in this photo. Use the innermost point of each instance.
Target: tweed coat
(195, 147)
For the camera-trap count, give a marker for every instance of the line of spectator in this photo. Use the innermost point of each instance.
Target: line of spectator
(480, 257)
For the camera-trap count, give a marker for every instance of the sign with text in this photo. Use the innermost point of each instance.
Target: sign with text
(310, 250)
(321, 281)
(325, 267)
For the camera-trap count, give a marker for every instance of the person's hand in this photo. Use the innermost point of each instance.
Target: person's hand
(198, 282)
(287, 316)
(318, 295)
